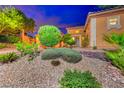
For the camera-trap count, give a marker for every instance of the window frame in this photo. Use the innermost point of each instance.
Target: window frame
(116, 26)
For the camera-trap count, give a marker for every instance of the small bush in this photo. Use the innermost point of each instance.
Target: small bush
(9, 39)
(117, 58)
(70, 55)
(2, 45)
(78, 79)
(26, 48)
(66, 54)
(9, 57)
(13, 39)
(94, 47)
(85, 41)
(51, 54)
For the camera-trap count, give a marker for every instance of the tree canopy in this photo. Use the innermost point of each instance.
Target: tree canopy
(12, 21)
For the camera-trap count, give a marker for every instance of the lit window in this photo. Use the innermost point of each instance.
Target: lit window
(77, 32)
(113, 22)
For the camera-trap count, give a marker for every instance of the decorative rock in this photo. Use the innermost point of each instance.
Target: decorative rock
(114, 79)
(122, 81)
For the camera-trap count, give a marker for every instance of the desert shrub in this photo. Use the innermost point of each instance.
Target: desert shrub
(3, 38)
(55, 62)
(70, 55)
(9, 39)
(66, 54)
(85, 41)
(117, 58)
(68, 39)
(2, 45)
(78, 79)
(26, 48)
(13, 39)
(94, 47)
(51, 54)
(9, 57)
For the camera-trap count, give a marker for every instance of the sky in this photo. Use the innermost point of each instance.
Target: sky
(61, 16)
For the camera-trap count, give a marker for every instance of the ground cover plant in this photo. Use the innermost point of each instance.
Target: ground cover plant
(28, 49)
(9, 57)
(78, 79)
(117, 56)
(66, 54)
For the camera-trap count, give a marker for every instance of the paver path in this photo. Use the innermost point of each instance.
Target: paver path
(41, 73)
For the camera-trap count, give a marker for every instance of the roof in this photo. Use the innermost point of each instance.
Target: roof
(91, 14)
(76, 27)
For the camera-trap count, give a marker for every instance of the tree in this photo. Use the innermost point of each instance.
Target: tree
(109, 6)
(10, 20)
(29, 25)
(49, 35)
(68, 39)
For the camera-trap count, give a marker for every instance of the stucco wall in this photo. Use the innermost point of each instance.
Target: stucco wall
(101, 29)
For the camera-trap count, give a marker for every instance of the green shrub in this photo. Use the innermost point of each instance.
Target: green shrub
(70, 55)
(26, 48)
(66, 54)
(9, 57)
(94, 47)
(117, 58)
(2, 45)
(85, 41)
(13, 39)
(9, 39)
(68, 39)
(51, 54)
(78, 79)
(49, 35)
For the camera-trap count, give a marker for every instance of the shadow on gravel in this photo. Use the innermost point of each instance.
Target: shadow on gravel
(97, 55)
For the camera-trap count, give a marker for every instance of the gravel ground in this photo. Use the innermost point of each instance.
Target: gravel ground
(42, 74)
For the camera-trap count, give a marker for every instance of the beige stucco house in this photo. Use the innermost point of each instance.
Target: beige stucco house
(76, 33)
(97, 24)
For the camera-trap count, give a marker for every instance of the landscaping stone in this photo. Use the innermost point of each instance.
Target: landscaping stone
(40, 73)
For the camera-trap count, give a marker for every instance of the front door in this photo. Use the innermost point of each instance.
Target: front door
(77, 42)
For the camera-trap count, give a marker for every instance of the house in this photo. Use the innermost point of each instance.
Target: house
(97, 25)
(104, 22)
(76, 33)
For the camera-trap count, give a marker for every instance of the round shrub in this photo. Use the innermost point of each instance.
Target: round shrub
(70, 55)
(51, 54)
(66, 54)
(49, 35)
(78, 79)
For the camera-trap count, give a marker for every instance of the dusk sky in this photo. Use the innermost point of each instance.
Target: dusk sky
(58, 15)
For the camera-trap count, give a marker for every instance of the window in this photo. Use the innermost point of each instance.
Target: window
(113, 22)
